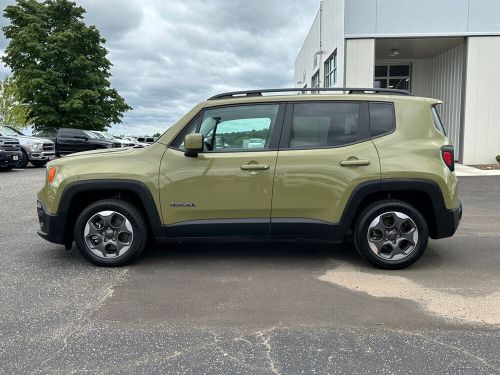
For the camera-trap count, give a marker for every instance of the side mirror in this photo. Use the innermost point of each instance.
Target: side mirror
(193, 144)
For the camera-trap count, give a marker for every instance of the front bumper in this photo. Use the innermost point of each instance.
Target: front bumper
(447, 222)
(52, 227)
(41, 156)
(10, 158)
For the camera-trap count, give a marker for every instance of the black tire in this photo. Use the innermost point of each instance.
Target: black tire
(39, 164)
(24, 160)
(131, 213)
(361, 232)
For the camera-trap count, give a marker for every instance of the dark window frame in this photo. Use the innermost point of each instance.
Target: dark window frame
(276, 129)
(317, 84)
(363, 124)
(330, 70)
(387, 78)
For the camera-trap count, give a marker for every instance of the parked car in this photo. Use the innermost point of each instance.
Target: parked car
(69, 141)
(148, 140)
(256, 143)
(35, 150)
(135, 141)
(109, 137)
(10, 153)
(371, 164)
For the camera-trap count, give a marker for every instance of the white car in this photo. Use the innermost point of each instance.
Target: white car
(255, 143)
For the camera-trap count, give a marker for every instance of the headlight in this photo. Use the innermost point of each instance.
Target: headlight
(35, 146)
(110, 145)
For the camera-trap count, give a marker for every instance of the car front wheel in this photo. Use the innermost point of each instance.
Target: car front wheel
(111, 232)
(391, 234)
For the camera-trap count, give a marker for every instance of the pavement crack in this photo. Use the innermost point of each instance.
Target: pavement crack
(76, 327)
(265, 336)
(452, 348)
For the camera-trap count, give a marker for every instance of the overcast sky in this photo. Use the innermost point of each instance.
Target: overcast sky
(168, 55)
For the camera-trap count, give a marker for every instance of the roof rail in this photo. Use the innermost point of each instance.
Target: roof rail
(347, 90)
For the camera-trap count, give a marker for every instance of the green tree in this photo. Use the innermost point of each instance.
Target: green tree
(12, 112)
(60, 66)
(157, 135)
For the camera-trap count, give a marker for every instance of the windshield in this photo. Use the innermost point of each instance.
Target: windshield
(11, 132)
(91, 135)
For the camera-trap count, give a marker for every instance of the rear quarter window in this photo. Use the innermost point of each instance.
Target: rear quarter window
(382, 119)
(438, 124)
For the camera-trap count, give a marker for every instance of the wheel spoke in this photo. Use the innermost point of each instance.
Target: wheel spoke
(108, 234)
(392, 235)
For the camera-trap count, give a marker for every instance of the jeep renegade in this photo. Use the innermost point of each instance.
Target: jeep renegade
(371, 164)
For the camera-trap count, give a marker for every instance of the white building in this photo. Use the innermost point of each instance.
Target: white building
(446, 49)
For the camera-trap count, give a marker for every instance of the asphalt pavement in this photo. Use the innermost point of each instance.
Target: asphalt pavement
(256, 308)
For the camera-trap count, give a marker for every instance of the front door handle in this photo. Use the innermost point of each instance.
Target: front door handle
(255, 167)
(354, 162)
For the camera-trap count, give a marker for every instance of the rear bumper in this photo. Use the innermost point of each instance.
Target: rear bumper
(447, 221)
(51, 226)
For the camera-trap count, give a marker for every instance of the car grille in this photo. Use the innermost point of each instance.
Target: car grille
(10, 145)
(48, 147)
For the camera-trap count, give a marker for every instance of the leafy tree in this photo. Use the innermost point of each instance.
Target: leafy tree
(157, 135)
(12, 112)
(60, 66)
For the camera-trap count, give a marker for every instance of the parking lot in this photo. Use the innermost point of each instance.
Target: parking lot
(258, 308)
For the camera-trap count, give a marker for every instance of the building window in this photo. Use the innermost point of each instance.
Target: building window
(315, 80)
(331, 70)
(393, 76)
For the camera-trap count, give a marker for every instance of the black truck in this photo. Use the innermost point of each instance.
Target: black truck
(10, 153)
(69, 141)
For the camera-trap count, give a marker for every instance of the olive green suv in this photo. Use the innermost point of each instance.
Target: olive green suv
(373, 165)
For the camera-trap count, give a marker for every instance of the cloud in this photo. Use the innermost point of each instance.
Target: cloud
(169, 55)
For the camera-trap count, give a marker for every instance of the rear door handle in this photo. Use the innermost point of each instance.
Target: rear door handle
(354, 162)
(255, 167)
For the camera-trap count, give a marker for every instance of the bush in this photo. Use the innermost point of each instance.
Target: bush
(498, 158)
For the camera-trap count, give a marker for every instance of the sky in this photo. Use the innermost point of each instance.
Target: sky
(168, 55)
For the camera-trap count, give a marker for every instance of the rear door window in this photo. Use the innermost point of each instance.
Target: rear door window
(326, 124)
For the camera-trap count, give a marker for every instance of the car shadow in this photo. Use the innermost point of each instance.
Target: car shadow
(276, 254)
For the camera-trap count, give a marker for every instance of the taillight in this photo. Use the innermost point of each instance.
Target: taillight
(448, 155)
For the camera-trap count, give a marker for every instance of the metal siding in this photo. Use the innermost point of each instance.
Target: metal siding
(304, 61)
(441, 77)
(332, 25)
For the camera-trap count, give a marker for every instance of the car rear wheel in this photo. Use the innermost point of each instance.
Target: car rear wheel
(111, 232)
(391, 234)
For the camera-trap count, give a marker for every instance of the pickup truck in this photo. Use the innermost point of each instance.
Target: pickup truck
(10, 153)
(69, 141)
(35, 150)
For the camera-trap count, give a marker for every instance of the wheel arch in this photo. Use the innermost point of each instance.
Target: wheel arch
(424, 195)
(80, 194)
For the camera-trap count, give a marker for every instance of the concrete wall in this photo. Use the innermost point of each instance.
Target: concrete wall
(359, 62)
(369, 18)
(482, 101)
